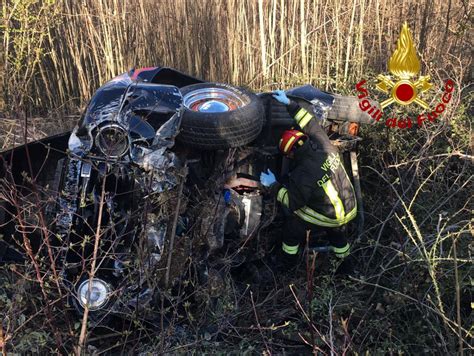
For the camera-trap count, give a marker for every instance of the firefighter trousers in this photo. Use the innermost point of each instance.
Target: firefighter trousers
(294, 237)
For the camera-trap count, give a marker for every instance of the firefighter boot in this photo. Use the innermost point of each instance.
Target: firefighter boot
(287, 258)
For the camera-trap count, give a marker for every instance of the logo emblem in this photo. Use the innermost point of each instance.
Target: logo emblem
(404, 65)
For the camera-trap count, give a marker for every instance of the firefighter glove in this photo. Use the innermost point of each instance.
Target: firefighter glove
(267, 179)
(280, 95)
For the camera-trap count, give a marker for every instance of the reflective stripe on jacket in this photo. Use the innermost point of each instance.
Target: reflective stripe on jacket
(319, 190)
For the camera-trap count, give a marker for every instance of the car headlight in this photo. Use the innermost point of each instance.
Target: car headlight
(112, 140)
(94, 297)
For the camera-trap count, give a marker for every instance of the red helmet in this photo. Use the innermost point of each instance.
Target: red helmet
(289, 138)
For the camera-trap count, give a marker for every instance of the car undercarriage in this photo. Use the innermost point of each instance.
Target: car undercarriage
(159, 179)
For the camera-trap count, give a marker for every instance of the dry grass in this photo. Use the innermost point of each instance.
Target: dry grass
(56, 53)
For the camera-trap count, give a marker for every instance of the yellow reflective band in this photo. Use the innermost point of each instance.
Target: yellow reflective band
(288, 144)
(304, 121)
(291, 250)
(311, 216)
(336, 202)
(283, 197)
(300, 114)
(342, 252)
(299, 134)
(319, 220)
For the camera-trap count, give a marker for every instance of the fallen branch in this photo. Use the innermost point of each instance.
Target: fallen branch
(456, 153)
(173, 228)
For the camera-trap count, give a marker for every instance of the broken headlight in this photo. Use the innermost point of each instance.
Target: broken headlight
(112, 140)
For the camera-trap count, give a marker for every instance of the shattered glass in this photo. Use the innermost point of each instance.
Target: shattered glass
(155, 234)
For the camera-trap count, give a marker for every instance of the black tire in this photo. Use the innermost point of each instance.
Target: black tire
(221, 130)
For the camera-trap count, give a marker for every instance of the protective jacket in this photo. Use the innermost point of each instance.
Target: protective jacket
(319, 190)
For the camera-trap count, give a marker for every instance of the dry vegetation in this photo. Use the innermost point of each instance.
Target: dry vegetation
(56, 53)
(414, 292)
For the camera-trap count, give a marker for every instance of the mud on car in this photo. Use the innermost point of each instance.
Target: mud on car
(159, 179)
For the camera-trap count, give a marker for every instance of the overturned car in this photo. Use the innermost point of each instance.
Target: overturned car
(159, 179)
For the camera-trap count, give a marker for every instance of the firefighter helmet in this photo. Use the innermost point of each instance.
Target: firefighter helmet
(289, 138)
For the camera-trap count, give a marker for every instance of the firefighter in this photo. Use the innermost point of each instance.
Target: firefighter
(318, 193)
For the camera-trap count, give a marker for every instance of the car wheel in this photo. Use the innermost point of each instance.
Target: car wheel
(219, 116)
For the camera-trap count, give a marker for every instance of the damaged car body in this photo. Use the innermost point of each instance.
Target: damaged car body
(159, 177)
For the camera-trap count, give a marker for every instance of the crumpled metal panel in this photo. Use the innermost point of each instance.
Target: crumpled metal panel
(212, 217)
(160, 164)
(156, 98)
(123, 96)
(158, 159)
(124, 102)
(166, 134)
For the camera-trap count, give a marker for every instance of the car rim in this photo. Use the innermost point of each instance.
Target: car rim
(213, 100)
